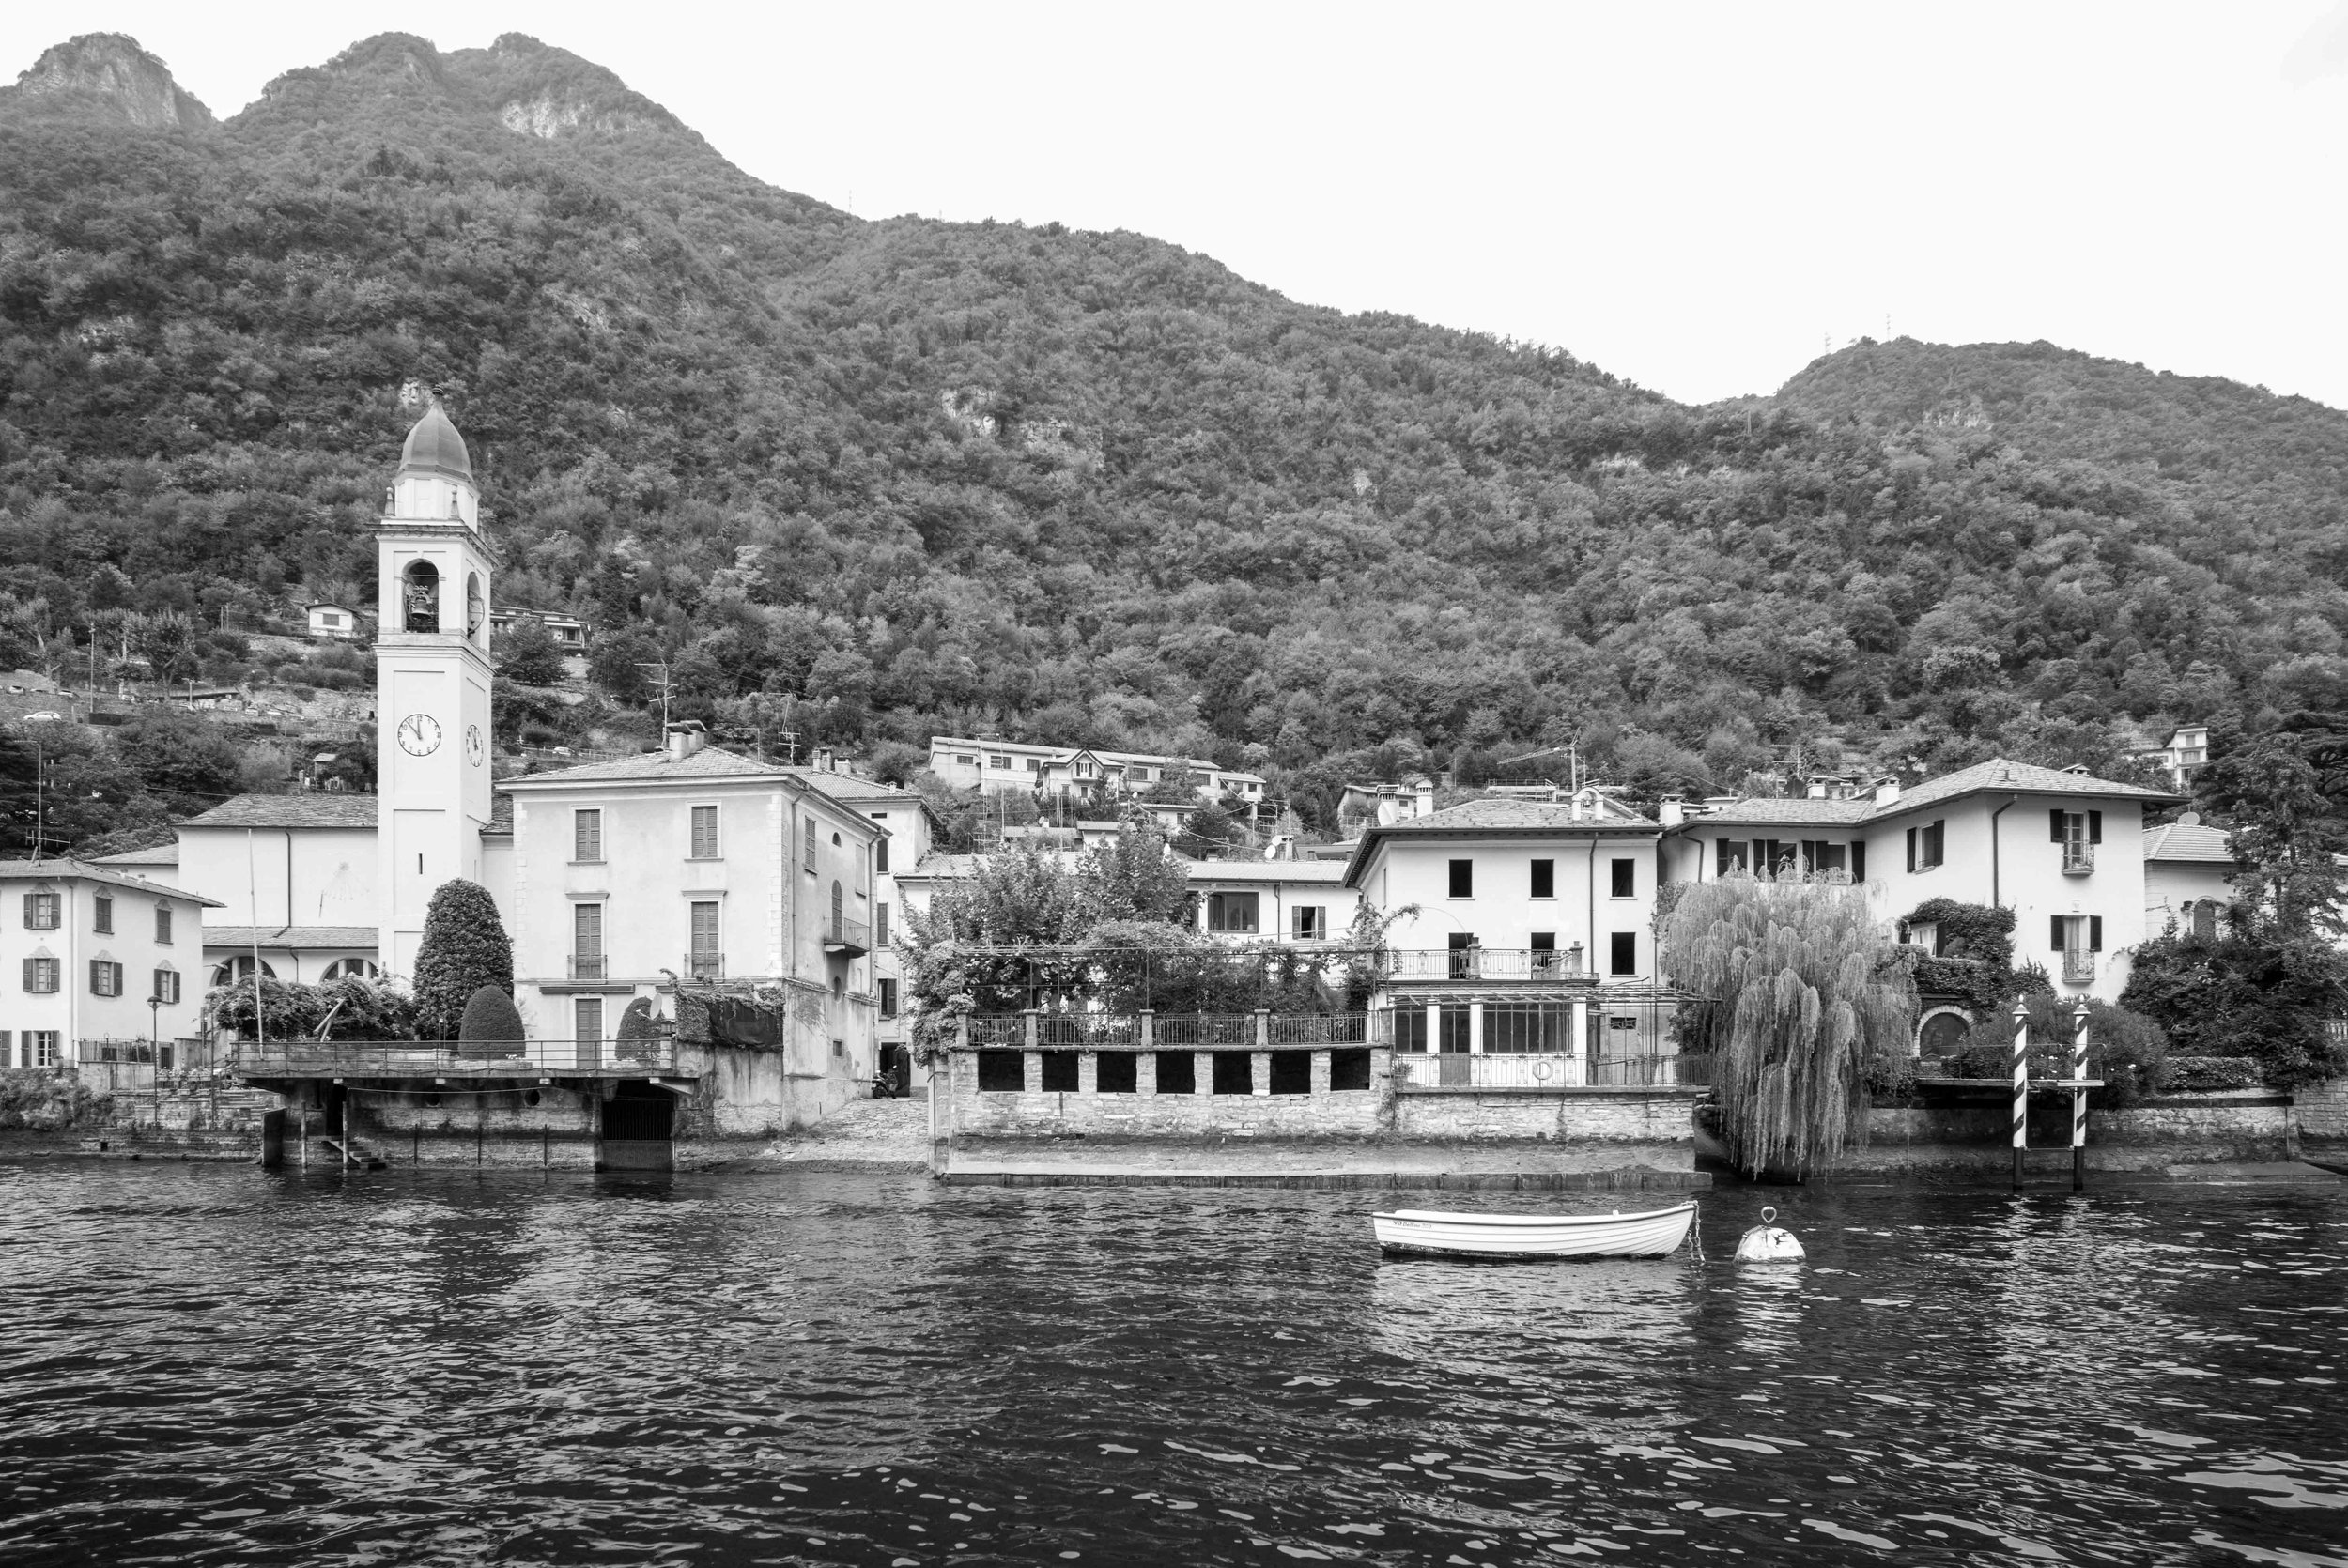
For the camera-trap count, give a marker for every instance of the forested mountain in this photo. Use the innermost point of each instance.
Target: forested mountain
(905, 476)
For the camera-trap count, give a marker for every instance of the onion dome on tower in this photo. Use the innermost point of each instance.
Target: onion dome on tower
(434, 447)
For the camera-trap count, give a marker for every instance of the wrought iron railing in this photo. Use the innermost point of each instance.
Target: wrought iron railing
(2078, 857)
(585, 966)
(1062, 1031)
(1321, 1028)
(1539, 1070)
(1204, 1031)
(998, 1029)
(310, 1058)
(847, 933)
(2079, 968)
(1485, 963)
(705, 967)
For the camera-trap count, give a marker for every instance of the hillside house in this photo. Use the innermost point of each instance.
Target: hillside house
(1082, 773)
(568, 631)
(339, 621)
(909, 827)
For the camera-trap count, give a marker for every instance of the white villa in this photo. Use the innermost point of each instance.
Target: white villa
(1080, 772)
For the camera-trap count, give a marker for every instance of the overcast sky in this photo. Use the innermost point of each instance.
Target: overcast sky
(1697, 197)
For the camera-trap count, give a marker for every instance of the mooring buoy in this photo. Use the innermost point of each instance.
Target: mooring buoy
(1765, 1243)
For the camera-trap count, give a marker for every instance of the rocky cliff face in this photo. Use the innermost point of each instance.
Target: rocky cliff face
(110, 76)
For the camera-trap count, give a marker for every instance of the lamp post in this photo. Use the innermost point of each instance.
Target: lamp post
(155, 1027)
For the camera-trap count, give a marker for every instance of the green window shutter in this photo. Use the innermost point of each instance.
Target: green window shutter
(2095, 827)
(2054, 825)
(2054, 928)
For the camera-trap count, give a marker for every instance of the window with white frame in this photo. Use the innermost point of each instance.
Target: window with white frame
(105, 977)
(41, 976)
(704, 832)
(166, 986)
(103, 913)
(42, 911)
(1310, 922)
(587, 833)
(162, 925)
(41, 1047)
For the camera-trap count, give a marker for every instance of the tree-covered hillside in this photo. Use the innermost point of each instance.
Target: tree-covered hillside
(891, 477)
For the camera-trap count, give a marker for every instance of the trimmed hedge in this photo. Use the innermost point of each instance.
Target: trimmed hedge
(2206, 1074)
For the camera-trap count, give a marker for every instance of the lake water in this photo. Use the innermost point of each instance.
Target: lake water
(213, 1364)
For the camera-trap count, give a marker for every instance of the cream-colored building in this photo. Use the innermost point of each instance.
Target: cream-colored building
(2063, 850)
(1302, 903)
(84, 948)
(695, 863)
(2188, 878)
(1081, 773)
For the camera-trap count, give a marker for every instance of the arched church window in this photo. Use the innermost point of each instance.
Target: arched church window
(419, 594)
(474, 608)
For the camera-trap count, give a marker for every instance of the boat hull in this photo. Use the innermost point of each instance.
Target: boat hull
(1655, 1233)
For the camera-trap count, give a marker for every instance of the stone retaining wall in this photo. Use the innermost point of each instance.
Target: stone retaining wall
(2321, 1111)
(1035, 1113)
(2247, 1125)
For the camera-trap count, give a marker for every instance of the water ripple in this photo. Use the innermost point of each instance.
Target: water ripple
(210, 1365)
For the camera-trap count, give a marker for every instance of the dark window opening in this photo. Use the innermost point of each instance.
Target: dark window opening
(1178, 1074)
(1626, 885)
(1623, 953)
(1117, 1073)
(1409, 1026)
(1232, 912)
(1059, 1071)
(1544, 879)
(1291, 1073)
(1002, 1071)
(1234, 1072)
(1452, 1027)
(1350, 1070)
(1464, 878)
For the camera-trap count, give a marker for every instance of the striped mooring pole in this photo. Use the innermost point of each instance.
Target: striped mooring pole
(2021, 1087)
(2079, 1098)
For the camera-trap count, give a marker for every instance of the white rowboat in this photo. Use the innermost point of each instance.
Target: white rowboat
(1655, 1233)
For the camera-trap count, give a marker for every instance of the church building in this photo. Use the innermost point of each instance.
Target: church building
(687, 874)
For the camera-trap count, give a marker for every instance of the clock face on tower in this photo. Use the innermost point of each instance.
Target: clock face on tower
(472, 744)
(418, 734)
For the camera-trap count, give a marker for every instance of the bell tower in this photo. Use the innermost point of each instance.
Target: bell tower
(431, 683)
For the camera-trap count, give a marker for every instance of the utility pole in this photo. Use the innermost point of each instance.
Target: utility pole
(666, 687)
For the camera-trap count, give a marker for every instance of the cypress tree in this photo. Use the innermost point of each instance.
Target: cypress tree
(1799, 987)
(464, 948)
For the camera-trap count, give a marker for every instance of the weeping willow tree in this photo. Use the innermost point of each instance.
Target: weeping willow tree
(1800, 986)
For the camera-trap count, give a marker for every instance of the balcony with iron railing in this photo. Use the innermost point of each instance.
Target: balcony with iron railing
(2078, 857)
(844, 938)
(585, 966)
(2079, 968)
(1530, 964)
(706, 968)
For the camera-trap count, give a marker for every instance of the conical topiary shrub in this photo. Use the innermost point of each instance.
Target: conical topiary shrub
(635, 1039)
(493, 1024)
(464, 948)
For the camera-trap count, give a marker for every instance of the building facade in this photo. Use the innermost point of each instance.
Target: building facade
(2062, 850)
(1081, 773)
(94, 961)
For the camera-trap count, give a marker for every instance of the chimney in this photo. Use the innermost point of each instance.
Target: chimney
(823, 758)
(1816, 790)
(684, 740)
(1671, 811)
(1886, 791)
(1426, 787)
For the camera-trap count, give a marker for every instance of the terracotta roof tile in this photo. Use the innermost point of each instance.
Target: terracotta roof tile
(313, 809)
